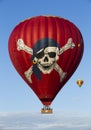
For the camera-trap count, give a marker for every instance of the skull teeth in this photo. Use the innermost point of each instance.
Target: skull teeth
(46, 67)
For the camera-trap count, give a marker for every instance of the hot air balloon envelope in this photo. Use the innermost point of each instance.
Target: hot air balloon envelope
(46, 50)
(79, 82)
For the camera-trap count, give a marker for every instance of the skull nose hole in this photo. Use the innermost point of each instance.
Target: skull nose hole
(45, 59)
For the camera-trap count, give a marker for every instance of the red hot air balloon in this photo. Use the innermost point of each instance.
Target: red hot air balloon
(46, 51)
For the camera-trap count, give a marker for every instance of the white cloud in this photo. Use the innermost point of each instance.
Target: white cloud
(36, 121)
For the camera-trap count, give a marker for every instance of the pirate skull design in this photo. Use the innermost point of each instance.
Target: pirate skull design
(46, 59)
(45, 55)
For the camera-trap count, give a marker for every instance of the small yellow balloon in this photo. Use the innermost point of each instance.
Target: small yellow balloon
(79, 82)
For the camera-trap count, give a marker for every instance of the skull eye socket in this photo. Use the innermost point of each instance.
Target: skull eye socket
(52, 54)
(40, 54)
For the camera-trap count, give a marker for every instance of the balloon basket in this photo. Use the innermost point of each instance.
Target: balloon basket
(46, 110)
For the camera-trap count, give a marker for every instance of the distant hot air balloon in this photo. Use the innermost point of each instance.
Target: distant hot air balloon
(46, 51)
(79, 82)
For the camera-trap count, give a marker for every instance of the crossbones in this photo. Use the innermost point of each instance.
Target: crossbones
(45, 58)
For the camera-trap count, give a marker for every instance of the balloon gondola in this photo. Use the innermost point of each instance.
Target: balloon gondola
(46, 51)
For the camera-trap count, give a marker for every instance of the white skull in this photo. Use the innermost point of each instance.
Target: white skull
(46, 59)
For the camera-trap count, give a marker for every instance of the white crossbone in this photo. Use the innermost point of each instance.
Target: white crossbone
(28, 74)
(68, 45)
(60, 71)
(22, 46)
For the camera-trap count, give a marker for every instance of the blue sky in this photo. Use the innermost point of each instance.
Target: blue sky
(15, 95)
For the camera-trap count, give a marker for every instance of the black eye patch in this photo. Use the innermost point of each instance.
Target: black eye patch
(40, 54)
